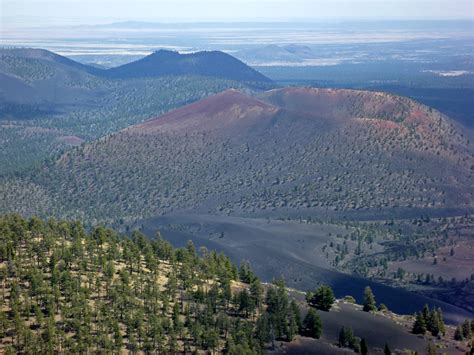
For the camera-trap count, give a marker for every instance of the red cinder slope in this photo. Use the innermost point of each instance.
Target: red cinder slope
(228, 111)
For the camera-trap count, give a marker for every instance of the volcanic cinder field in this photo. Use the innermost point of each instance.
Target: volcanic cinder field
(288, 249)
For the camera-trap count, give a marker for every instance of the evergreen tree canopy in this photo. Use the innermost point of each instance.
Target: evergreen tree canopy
(369, 300)
(312, 324)
(70, 291)
(323, 298)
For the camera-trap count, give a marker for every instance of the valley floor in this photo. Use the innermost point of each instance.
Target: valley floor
(290, 249)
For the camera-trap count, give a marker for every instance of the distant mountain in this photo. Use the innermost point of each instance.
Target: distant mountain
(213, 64)
(272, 54)
(44, 55)
(53, 83)
(299, 49)
(45, 97)
(52, 80)
(293, 151)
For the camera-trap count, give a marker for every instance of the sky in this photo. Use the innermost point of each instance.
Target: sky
(37, 12)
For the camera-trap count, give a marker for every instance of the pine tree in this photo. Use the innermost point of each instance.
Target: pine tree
(312, 324)
(369, 300)
(245, 303)
(263, 329)
(426, 313)
(118, 340)
(292, 327)
(342, 338)
(434, 323)
(442, 328)
(322, 299)
(467, 329)
(346, 337)
(278, 309)
(458, 334)
(245, 272)
(191, 249)
(386, 350)
(419, 326)
(297, 314)
(226, 292)
(256, 292)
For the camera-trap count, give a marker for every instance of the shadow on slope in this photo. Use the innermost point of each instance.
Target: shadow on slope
(288, 249)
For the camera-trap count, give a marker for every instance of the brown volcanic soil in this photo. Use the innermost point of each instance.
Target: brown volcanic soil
(230, 110)
(71, 140)
(330, 105)
(340, 103)
(459, 266)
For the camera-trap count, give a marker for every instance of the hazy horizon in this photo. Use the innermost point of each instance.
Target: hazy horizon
(55, 12)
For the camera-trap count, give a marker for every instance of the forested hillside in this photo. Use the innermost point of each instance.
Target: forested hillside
(301, 152)
(66, 290)
(69, 291)
(207, 63)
